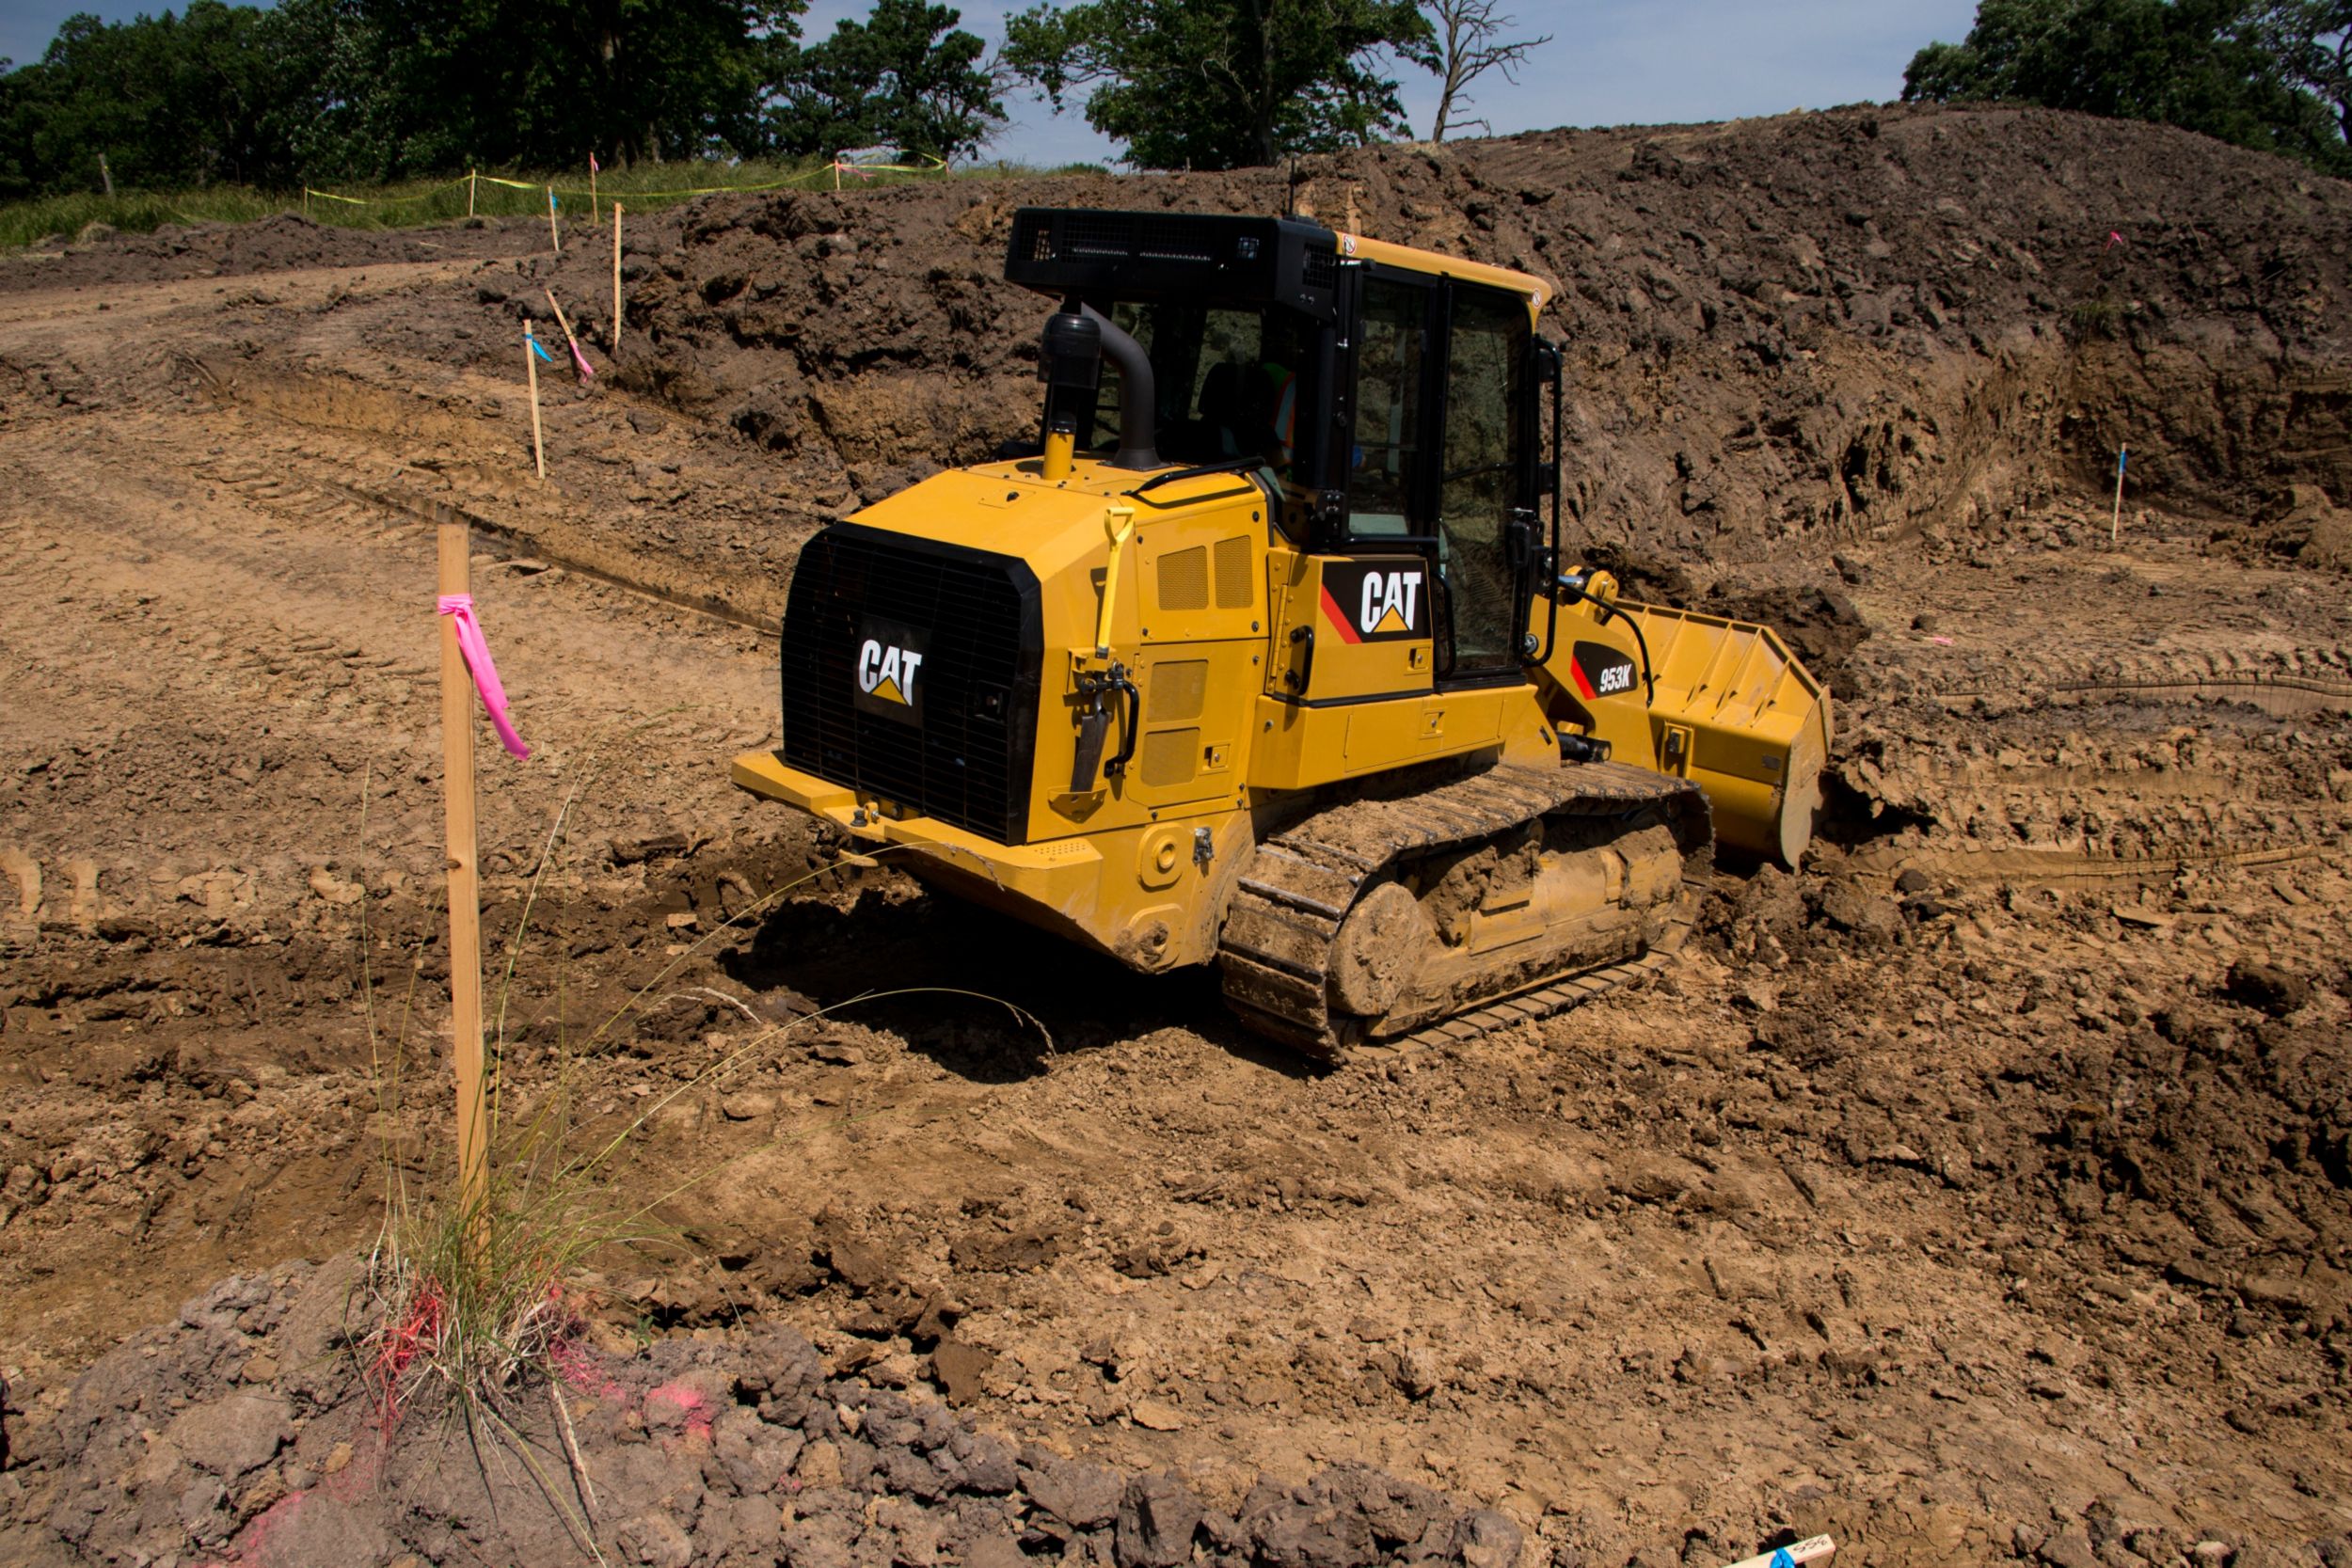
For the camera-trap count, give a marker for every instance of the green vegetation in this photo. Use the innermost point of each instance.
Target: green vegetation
(1224, 83)
(2272, 76)
(373, 92)
(337, 91)
(416, 203)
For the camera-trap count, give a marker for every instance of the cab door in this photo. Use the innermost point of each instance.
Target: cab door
(1442, 457)
(1485, 484)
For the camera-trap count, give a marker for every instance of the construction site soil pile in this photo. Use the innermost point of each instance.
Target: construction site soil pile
(1981, 1191)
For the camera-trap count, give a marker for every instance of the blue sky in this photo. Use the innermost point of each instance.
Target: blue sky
(1611, 62)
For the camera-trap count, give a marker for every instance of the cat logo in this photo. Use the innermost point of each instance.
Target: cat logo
(889, 671)
(1388, 602)
(1375, 600)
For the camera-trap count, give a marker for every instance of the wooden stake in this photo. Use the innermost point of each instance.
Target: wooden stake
(531, 364)
(616, 280)
(579, 361)
(2115, 524)
(595, 214)
(106, 176)
(465, 891)
(471, 176)
(553, 232)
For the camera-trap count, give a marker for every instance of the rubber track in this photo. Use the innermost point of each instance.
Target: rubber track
(1281, 926)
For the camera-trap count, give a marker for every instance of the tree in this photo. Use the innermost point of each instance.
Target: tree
(438, 85)
(1468, 45)
(892, 80)
(182, 100)
(2311, 41)
(1223, 84)
(2198, 64)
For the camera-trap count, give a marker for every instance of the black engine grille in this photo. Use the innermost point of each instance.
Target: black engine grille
(968, 761)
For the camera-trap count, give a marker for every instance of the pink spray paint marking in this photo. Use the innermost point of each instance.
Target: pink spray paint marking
(476, 649)
(577, 1366)
(690, 1401)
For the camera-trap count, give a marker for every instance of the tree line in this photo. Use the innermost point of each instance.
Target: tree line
(369, 91)
(386, 90)
(2274, 74)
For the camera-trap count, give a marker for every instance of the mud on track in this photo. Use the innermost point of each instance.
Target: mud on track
(1980, 1191)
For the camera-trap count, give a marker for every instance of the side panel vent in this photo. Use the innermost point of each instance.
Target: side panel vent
(1232, 573)
(1179, 687)
(1170, 757)
(1184, 579)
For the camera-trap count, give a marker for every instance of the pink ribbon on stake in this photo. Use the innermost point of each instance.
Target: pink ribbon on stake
(476, 650)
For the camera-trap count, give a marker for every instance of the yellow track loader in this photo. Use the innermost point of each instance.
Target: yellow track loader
(1263, 655)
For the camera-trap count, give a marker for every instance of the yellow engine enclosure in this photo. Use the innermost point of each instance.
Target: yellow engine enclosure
(1254, 702)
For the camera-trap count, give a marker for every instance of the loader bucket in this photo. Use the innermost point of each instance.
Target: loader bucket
(1737, 715)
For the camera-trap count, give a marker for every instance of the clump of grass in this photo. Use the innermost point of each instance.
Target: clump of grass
(29, 222)
(2098, 317)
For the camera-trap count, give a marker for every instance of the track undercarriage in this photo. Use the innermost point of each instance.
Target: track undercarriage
(1435, 916)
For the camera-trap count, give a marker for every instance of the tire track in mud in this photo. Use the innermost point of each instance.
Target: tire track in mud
(2080, 782)
(348, 425)
(2285, 685)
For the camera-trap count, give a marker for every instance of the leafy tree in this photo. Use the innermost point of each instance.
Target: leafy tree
(1223, 84)
(437, 84)
(2311, 41)
(2198, 64)
(1470, 44)
(905, 78)
(189, 98)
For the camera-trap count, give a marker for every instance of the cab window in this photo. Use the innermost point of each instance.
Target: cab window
(1232, 384)
(1385, 466)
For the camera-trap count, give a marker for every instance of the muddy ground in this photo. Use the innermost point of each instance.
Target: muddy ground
(1979, 1191)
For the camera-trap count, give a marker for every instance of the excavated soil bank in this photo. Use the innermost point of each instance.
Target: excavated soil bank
(1981, 1192)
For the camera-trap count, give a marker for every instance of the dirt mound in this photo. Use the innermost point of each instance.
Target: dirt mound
(243, 1432)
(2300, 525)
(1808, 330)
(286, 241)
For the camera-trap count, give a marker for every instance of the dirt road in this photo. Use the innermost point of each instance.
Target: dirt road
(1980, 1191)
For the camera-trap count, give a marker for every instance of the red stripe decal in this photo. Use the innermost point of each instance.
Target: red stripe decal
(1583, 684)
(1331, 609)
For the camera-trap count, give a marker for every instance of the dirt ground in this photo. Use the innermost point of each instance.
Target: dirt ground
(1983, 1190)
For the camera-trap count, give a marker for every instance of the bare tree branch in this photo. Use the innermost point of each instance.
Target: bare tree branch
(1469, 44)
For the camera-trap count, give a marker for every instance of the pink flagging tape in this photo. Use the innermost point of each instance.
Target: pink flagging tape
(586, 370)
(476, 649)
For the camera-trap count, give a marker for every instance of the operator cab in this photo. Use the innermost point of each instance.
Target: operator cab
(1385, 398)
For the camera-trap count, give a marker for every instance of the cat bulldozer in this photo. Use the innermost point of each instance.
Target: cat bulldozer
(1263, 653)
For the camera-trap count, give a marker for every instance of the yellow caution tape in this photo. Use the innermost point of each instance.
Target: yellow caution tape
(934, 166)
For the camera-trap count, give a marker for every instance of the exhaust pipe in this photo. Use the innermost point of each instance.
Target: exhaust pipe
(1078, 339)
(1138, 396)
